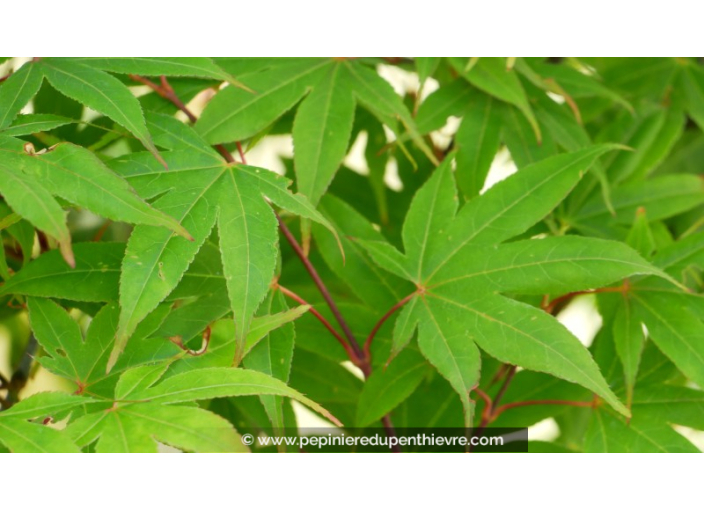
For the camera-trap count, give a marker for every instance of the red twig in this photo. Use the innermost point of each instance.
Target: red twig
(511, 405)
(354, 345)
(225, 153)
(239, 149)
(551, 306)
(377, 326)
(101, 231)
(390, 432)
(350, 353)
(507, 380)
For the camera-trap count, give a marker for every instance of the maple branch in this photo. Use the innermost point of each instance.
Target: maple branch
(239, 149)
(354, 345)
(390, 432)
(225, 153)
(552, 306)
(511, 405)
(101, 231)
(486, 412)
(377, 326)
(504, 386)
(286, 292)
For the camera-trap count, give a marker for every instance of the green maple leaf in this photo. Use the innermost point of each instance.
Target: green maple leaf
(22, 435)
(655, 409)
(323, 122)
(83, 360)
(459, 264)
(146, 410)
(30, 181)
(134, 404)
(200, 189)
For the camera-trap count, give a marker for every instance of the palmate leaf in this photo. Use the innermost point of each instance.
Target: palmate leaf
(200, 190)
(83, 361)
(607, 433)
(135, 428)
(134, 425)
(323, 122)
(454, 260)
(77, 175)
(21, 435)
(129, 408)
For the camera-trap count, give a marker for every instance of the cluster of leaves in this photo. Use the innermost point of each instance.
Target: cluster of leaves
(142, 262)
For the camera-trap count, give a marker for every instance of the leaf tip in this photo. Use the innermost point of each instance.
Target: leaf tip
(67, 253)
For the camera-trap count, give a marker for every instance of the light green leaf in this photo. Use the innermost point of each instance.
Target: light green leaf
(235, 114)
(28, 198)
(77, 175)
(135, 429)
(21, 436)
(640, 237)
(477, 141)
(83, 361)
(491, 75)
(629, 342)
(444, 339)
(426, 66)
(452, 317)
(512, 205)
(321, 133)
(101, 92)
(35, 123)
(199, 67)
(44, 404)
(555, 265)
(609, 434)
(380, 99)
(660, 197)
(450, 100)
(17, 90)
(374, 286)
(202, 191)
(676, 330)
(693, 84)
(672, 404)
(387, 388)
(95, 277)
(519, 334)
(209, 383)
(273, 354)
(265, 324)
